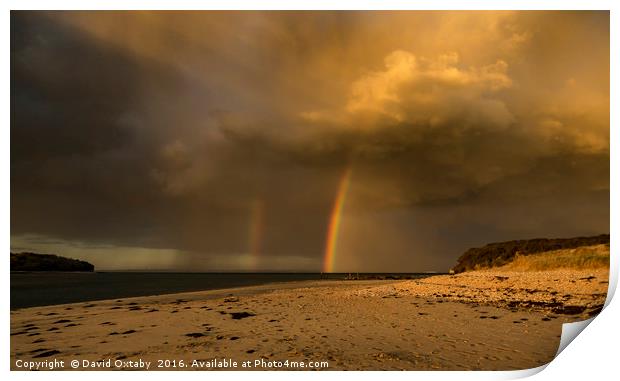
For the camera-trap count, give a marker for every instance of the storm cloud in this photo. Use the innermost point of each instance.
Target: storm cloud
(217, 140)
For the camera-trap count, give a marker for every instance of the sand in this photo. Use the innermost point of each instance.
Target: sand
(483, 320)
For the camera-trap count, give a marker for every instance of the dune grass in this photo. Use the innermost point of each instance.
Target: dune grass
(585, 257)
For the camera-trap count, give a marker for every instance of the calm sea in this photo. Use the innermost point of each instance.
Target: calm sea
(31, 289)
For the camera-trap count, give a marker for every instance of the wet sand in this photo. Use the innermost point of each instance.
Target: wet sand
(486, 320)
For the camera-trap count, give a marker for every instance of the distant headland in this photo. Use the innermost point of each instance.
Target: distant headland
(47, 262)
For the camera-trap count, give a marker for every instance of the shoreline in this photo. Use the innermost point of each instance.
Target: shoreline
(447, 322)
(215, 293)
(50, 288)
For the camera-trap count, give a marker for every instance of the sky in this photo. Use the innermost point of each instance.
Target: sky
(305, 141)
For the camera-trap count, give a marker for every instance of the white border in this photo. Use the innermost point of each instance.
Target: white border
(590, 356)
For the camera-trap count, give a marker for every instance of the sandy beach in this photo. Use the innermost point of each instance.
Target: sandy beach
(486, 320)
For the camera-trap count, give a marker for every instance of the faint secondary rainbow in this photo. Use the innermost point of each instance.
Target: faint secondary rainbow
(255, 232)
(335, 220)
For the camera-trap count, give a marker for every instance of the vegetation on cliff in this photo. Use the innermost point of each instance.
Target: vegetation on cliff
(501, 253)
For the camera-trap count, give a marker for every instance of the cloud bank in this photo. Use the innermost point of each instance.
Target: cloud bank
(219, 138)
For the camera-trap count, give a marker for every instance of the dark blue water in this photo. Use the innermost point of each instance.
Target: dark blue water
(31, 289)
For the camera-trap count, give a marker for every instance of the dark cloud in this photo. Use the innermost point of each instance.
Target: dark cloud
(148, 139)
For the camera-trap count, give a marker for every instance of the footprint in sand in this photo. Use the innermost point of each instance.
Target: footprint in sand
(241, 315)
(40, 350)
(62, 321)
(48, 353)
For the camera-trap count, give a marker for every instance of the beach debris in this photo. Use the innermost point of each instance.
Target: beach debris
(569, 310)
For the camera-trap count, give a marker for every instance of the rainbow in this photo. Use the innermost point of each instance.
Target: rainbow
(255, 232)
(334, 222)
